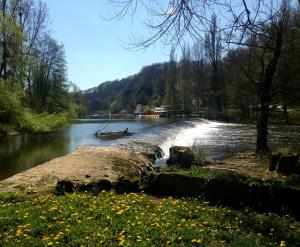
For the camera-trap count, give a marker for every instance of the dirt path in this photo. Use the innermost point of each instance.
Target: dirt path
(245, 164)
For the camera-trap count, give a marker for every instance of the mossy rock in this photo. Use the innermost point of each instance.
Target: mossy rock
(125, 185)
(176, 185)
(181, 156)
(273, 161)
(227, 190)
(95, 186)
(67, 186)
(64, 186)
(288, 164)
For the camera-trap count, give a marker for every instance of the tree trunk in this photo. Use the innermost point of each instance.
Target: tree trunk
(262, 124)
(265, 98)
(285, 112)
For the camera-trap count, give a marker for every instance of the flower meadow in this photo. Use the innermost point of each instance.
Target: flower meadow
(109, 219)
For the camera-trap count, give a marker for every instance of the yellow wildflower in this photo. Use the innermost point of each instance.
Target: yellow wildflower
(282, 244)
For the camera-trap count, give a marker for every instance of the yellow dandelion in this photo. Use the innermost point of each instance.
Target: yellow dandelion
(120, 212)
(282, 244)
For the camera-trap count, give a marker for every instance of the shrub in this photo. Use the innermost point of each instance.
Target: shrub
(13, 115)
(42, 123)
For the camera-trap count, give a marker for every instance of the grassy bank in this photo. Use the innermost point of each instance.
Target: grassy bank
(258, 175)
(16, 114)
(43, 123)
(109, 219)
(35, 123)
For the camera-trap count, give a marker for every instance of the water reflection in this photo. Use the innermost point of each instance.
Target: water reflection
(22, 152)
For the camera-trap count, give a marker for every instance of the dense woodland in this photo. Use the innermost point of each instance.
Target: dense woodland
(33, 70)
(146, 88)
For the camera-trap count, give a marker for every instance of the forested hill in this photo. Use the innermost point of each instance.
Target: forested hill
(145, 87)
(212, 83)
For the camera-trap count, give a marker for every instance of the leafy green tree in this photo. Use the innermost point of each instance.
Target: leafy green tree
(147, 109)
(11, 37)
(49, 83)
(115, 106)
(32, 69)
(10, 106)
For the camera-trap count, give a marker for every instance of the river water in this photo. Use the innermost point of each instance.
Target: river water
(211, 139)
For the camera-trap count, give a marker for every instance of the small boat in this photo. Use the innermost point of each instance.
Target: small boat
(112, 134)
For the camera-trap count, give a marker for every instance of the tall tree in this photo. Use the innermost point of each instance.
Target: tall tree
(186, 80)
(213, 49)
(49, 83)
(22, 23)
(241, 92)
(199, 75)
(271, 38)
(287, 86)
(170, 85)
(11, 38)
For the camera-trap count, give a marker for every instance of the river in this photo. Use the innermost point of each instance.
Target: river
(212, 139)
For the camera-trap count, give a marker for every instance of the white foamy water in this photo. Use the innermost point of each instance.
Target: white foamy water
(189, 136)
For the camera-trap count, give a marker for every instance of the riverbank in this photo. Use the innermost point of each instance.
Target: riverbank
(94, 215)
(34, 123)
(9, 133)
(86, 165)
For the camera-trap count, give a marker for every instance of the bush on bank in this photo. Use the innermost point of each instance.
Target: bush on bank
(42, 123)
(14, 116)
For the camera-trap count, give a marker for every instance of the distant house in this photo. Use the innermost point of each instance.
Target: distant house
(161, 110)
(139, 110)
(123, 112)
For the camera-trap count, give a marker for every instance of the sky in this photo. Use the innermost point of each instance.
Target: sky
(95, 48)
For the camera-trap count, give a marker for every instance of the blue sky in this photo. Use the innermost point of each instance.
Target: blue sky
(95, 48)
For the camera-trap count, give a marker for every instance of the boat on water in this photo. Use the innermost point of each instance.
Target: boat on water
(112, 134)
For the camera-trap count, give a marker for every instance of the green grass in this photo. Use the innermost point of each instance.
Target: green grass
(200, 172)
(109, 219)
(195, 171)
(283, 150)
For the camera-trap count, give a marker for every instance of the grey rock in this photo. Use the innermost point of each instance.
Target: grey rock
(152, 151)
(288, 164)
(181, 156)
